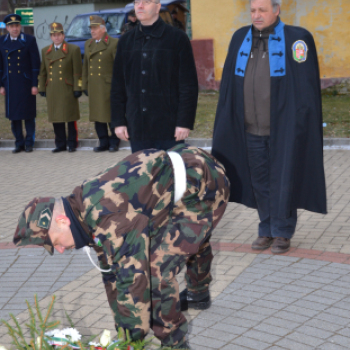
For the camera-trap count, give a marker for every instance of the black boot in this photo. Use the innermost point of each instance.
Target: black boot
(197, 301)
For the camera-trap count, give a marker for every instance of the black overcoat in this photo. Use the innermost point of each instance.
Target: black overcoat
(154, 84)
(296, 138)
(19, 69)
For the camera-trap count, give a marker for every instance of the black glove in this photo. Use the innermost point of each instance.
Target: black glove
(42, 94)
(86, 92)
(77, 94)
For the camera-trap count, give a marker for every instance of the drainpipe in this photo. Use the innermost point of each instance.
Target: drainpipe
(188, 20)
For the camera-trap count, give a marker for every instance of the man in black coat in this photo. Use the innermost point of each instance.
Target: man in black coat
(268, 127)
(19, 69)
(154, 86)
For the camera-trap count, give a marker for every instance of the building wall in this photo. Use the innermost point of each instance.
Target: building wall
(327, 20)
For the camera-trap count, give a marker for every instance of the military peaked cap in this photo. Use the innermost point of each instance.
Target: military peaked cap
(12, 18)
(96, 20)
(56, 27)
(34, 223)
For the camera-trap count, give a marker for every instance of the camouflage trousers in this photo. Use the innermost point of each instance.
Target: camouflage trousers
(148, 296)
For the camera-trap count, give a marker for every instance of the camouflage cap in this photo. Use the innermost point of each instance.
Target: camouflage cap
(96, 21)
(34, 223)
(56, 27)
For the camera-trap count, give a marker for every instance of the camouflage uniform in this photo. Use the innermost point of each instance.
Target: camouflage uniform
(146, 239)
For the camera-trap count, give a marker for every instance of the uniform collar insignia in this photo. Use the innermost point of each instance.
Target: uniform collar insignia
(44, 220)
(106, 39)
(22, 37)
(49, 49)
(65, 48)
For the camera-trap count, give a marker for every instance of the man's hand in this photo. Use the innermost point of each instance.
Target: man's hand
(122, 132)
(181, 133)
(35, 90)
(2, 91)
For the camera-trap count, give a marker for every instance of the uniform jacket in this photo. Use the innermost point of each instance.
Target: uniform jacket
(155, 86)
(128, 209)
(296, 135)
(19, 68)
(97, 76)
(60, 76)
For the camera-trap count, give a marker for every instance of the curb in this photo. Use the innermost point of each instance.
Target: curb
(202, 143)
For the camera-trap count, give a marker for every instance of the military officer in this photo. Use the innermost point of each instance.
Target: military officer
(97, 75)
(19, 68)
(146, 217)
(60, 82)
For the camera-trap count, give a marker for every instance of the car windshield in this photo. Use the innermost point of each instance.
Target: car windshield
(79, 28)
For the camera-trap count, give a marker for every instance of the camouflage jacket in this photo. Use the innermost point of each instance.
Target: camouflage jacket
(124, 207)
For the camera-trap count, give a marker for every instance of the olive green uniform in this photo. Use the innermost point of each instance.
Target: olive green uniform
(97, 76)
(60, 75)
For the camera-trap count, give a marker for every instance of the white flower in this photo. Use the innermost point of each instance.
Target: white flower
(72, 333)
(105, 339)
(38, 340)
(94, 344)
(2, 347)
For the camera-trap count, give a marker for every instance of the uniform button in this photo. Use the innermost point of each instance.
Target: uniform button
(99, 67)
(9, 71)
(143, 72)
(90, 59)
(91, 74)
(50, 79)
(51, 73)
(19, 71)
(8, 57)
(60, 78)
(144, 54)
(100, 53)
(143, 91)
(99, 60)
(6, 50)
(19, 50)
(144, 109)
(18, 57)
(59, 66)
(9, 64)
(90, 66)
(99, 74)
(18, 64)
(60, 60)
(60, 72)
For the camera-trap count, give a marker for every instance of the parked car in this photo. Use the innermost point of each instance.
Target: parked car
(79, 31)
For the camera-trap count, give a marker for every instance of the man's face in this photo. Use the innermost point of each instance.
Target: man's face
(132, 19)
(97, 32)
(57, 38)
(262, 13)
(14, 29)
(63, 241)
(147, 14)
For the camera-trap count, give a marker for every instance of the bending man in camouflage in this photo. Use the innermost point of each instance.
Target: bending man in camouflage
(142, 233)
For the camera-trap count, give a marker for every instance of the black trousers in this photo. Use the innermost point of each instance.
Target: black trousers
(157, 144)
(61, 136)
(105, 139)
(16, 127)
(259, 164)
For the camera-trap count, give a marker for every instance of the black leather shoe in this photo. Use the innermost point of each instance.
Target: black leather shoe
(71, 149)
(197, 301)
(113, 149)
(59, 149)
(18, 149)
(29, 149)
(100, 149)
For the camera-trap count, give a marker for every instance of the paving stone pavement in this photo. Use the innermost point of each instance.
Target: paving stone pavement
(260, 301)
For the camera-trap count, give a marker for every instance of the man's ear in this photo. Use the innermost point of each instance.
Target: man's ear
(62, 220)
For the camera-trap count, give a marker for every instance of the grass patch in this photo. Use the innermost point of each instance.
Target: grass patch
(336, 114)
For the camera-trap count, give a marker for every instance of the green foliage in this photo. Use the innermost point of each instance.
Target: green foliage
(37, 325)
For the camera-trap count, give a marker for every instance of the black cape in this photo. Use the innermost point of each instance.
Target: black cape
(296, 135)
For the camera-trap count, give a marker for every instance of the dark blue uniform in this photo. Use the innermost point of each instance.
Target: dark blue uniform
(19, 68)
